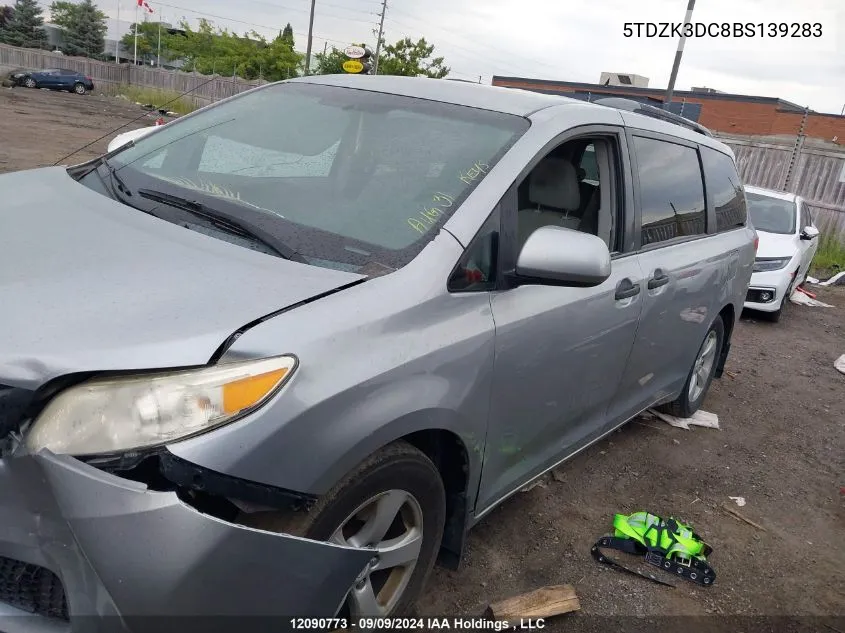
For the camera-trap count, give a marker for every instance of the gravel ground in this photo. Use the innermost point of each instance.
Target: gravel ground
(781, 406)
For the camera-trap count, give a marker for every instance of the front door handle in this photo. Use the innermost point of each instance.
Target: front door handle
(658, 279)
(626, 289)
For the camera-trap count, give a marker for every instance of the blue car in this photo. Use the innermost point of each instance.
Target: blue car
(54, 79)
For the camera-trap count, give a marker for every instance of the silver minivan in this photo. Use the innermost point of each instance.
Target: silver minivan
(278, 356)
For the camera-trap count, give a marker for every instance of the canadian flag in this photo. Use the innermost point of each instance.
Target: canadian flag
(145, 5)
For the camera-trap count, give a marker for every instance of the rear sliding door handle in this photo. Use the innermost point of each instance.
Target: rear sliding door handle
(626, 289)
(658, 279)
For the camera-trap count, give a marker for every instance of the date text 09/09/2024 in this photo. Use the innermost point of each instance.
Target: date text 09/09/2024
(723, 29)
(408, 624)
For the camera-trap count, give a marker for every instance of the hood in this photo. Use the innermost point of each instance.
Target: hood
(89, 284)
(776, 244)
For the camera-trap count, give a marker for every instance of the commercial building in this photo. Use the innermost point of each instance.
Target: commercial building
(722, 112)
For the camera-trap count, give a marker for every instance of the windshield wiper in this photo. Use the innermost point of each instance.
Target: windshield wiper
(224, 222)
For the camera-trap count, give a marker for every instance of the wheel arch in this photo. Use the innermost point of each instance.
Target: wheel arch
(449, 454)
(728, 315)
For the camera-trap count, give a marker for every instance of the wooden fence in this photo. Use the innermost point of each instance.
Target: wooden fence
(109, 77)
(818, 176)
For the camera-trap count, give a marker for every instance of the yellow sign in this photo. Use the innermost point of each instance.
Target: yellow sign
(353, 66)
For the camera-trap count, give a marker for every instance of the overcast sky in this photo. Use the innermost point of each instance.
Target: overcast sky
(565, 40)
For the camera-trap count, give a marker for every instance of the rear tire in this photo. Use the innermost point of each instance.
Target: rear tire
(79, 89)
(701, 375)
(398, 482)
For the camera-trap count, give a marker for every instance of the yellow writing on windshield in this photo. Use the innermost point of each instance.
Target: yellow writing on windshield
(473, 173)
(429, 215)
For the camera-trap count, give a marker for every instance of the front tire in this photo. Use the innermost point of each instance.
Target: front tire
(701, 375)
(29, 82)
(393, 502)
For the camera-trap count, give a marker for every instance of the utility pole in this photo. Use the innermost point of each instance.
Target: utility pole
(158, 61)
(796, 151)
(380, 33)
(674, 75)
(310, 34)
(117, 43)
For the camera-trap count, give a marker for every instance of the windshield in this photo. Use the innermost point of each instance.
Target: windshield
(345, 177)
(771, 215)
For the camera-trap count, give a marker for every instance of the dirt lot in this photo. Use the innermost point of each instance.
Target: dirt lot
(781, 446)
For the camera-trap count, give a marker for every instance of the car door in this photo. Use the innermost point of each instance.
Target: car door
(47, 78)
(560, 351)
(66, 79)
(684, 269)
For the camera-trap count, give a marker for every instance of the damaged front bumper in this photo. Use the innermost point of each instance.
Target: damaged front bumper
(83, 550)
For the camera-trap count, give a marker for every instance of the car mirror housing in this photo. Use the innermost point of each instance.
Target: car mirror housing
(554, 255)
(809, 233)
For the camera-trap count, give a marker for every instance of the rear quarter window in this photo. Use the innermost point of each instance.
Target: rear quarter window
(726, 187)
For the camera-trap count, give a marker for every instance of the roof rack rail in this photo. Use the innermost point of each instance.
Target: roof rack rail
(651, 111)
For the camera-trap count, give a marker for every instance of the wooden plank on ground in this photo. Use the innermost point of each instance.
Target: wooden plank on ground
(541, 603)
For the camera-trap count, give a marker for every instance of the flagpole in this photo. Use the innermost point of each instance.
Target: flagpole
(117, 43)
(136, 34)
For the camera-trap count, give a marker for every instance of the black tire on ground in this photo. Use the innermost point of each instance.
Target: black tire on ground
(29, 82)
(684, 406)
(79, 89)
(396, 466)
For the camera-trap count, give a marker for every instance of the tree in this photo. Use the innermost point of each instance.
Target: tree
(5, 16)
(84, 27)
(411, 59)
(250, 56)
(25, 27)
(147, 39)
(405, 57)
(287, 35)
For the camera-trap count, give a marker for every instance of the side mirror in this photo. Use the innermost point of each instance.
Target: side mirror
(809, 233)
(563, 257)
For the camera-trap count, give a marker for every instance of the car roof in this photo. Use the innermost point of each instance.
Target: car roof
(498, 99)
(771, 193)
(495, 98)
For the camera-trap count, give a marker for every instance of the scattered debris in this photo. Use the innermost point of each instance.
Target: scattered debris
(541, 603)
(737, 515)
(700, 418)
(730, 373)
(695, 500)
(740, 501)
(804, 298)
(558, 476)
(839, 364)
(837, 280)
(812, 280)
(534, 484)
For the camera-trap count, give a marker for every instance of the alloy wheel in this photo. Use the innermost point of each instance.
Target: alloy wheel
(703, 366)
(391, 525)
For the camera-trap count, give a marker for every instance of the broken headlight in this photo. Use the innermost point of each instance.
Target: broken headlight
(110, 415)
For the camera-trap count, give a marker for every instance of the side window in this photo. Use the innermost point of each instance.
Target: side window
(570, 187)
(726, 186)
(477, 270)
(671, 190)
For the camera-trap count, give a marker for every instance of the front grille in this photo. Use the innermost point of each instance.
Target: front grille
(32, 588)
